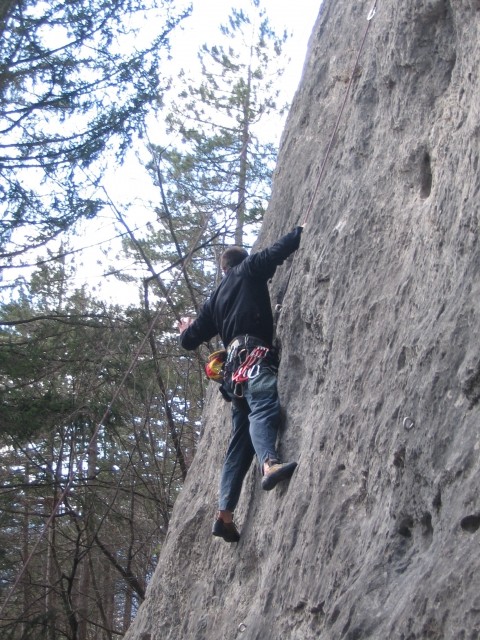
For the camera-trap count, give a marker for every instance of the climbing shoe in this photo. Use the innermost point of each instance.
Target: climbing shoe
(226, 530)
(277, 472)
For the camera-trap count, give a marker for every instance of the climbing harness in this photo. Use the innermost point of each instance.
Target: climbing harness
(245, 355)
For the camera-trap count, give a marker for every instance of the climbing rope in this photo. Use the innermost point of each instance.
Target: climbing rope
(339, 117)
(370, 16)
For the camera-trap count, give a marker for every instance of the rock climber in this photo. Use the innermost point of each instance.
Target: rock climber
(239, 310)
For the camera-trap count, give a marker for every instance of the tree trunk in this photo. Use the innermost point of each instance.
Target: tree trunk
(127, 614)
(242, 174)
(50, 603)
(85, 576)
(25, 554)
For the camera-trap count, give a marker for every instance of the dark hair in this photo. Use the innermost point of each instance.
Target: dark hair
(232, 256)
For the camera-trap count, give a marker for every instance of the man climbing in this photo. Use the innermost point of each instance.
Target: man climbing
(239, 310)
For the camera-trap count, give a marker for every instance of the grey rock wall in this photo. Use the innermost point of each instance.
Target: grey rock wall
(378, 534)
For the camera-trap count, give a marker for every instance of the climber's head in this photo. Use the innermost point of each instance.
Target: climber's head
(232, 256)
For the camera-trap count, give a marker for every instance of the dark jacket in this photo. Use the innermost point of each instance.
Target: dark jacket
(240, 305)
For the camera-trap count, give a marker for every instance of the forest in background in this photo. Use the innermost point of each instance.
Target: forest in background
(100, 408)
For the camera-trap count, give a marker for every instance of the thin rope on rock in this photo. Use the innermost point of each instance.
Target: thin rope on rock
(283, 293)
(337, 123)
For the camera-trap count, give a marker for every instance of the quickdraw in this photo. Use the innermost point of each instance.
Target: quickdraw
(250, 368)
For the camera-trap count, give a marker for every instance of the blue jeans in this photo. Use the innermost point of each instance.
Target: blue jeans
(255, 419)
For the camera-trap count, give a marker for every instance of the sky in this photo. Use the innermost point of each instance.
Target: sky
(297, 17)
(130, 183)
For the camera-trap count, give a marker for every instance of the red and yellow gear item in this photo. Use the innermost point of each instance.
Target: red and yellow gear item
(214, 366)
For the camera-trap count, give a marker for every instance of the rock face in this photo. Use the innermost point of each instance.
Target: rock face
(378, 533)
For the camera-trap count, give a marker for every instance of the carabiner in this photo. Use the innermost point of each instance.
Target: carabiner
(242, 356)
(253, 371)
(238, 390)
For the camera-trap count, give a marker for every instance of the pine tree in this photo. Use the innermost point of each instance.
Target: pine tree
(224, 163)
(62, 357)
(75, 88)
